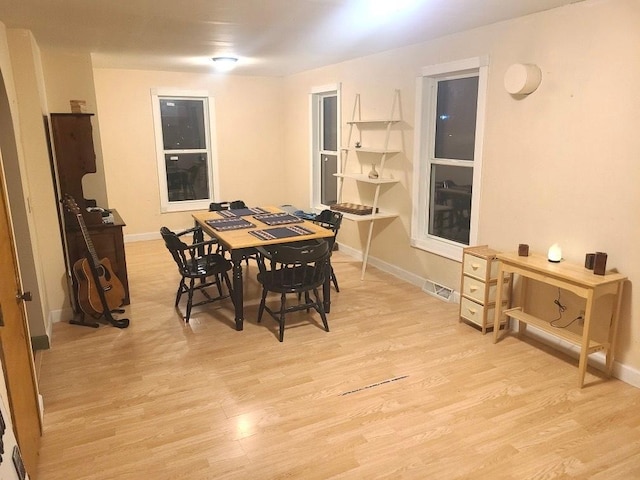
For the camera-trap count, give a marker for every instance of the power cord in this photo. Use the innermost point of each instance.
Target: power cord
(561, 310)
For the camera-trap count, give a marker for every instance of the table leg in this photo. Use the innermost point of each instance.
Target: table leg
(586, 335)
(238, 294)
(498, 308)
(613, 329)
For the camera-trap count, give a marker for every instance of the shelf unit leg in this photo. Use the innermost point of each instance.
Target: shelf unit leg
(366, 250)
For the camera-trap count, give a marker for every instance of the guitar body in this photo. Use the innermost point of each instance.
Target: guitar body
(89, 289)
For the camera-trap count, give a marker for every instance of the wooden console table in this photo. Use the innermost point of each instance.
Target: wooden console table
(568, 276)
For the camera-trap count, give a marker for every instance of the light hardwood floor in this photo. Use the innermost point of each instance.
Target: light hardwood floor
(398, 389)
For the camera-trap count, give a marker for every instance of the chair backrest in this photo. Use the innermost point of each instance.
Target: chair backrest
(329, 219)
(217, 206)
(297, 268)
(178, 249)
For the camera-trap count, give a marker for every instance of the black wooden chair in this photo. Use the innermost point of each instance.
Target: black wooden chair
(199, 266)
(297, 270)
(331, 220)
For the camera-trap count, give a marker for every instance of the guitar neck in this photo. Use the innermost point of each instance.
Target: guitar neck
(87, 240)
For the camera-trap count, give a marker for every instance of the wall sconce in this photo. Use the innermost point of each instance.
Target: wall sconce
(224, 64)
(555, 253)
(522, 78)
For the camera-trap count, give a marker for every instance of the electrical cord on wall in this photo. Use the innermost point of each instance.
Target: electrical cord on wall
(561, 310)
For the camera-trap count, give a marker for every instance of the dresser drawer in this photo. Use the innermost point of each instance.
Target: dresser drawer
(475, 289)
(474, 312)
(477, 267)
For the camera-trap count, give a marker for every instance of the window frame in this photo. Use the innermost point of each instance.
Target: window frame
(167, 206)
(316, 121)
(424, 156)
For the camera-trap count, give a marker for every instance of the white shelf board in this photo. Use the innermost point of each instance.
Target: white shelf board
(363, 177)
(368, 218)
(372, 120)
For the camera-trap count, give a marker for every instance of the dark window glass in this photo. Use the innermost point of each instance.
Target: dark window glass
(183, 126)
(329, 123)
(450, 205)
(187, 177)
(456, 118)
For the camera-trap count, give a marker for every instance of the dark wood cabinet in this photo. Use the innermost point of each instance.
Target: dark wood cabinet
(74, 157)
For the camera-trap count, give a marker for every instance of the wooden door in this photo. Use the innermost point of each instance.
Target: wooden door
(15, 347)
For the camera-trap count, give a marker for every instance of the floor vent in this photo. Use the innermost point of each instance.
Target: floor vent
(437, 290)
(394, 379)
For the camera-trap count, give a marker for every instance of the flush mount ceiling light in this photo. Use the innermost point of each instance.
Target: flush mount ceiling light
(224, 64)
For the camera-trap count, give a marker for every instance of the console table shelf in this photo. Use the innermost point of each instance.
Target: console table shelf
(568, 276)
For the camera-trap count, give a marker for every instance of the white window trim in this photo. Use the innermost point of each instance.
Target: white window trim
(212, 153)
(425, 114)
(314, 178)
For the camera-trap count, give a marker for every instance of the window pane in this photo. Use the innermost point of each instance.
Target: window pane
(450, 204)
(329, 185)
(187, 177)
(183, 126)
(330, 123)
(456, 118)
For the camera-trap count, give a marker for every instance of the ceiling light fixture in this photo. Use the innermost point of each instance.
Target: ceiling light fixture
(224, 64)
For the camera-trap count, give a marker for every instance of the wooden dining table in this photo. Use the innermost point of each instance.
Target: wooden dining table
(241, 242)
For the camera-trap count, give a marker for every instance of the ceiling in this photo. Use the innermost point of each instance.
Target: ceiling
(270, 37)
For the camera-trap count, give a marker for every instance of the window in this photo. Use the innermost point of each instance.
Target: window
(325, 111)
(184, 149)
(450, 121)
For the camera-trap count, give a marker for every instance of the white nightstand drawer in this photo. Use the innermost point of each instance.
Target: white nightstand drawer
(476, 289)
(474, 312)
(477, 267)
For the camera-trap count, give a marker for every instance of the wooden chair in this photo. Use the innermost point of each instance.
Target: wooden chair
(331, 220)
(197, 261)
(298, 270)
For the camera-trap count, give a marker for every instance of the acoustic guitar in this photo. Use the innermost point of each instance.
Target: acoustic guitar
(99, 289)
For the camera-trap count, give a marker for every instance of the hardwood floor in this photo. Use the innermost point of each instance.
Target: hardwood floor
(398, 389)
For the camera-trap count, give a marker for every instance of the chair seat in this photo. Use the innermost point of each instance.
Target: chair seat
(207, 265)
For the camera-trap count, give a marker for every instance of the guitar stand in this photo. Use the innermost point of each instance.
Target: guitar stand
(106, 313)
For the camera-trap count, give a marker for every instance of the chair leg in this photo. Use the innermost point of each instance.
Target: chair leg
(181, 289)
(334, 280)
(189, 301)
(320, 309)
(283, 302)
(262, 302)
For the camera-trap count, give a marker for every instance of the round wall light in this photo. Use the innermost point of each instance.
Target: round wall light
(522, 78)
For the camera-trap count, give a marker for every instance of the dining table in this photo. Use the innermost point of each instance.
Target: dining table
(240, 231)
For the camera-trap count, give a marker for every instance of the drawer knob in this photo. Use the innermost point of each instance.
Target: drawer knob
(473, 288)
(475, 266)
(472, 311)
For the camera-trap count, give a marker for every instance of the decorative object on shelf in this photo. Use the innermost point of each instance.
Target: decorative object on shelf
(373, 173)
(78, 106)
(522, 79)
(600, 263)
(523, 250)
(555, 253)
(589, 260)
(353, 208)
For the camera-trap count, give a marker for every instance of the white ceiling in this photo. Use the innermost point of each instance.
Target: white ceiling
(271, 37)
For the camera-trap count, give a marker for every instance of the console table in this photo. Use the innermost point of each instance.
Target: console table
(568, 276)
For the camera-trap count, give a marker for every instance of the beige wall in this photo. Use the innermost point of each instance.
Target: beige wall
(559, 165)
(249, 136)
(70, 77)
